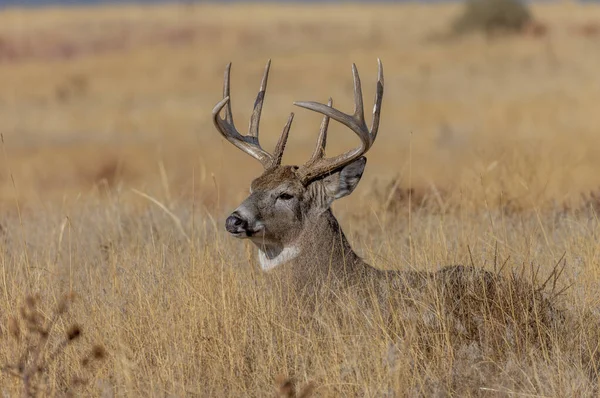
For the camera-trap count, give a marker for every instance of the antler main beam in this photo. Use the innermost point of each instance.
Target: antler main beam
(249, 143)
(319, 165)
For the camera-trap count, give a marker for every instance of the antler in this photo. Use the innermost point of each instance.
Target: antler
(319, 165)
(249, 143)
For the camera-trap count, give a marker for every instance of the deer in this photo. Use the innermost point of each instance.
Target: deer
(288, 215)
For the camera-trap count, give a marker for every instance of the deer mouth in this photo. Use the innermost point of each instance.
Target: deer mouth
(257, 230)
(247, 233)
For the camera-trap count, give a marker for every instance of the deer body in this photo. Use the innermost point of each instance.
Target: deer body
(288, 217)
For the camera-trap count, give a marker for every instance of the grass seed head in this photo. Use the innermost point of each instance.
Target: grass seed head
(74, 332)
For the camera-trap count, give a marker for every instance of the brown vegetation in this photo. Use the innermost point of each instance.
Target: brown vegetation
(114, 184)
(42, 364)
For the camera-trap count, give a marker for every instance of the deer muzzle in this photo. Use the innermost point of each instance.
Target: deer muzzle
(238, 226)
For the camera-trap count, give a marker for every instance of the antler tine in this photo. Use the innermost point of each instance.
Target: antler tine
(280, 147)
(359, 110)
(318, 166)
(319, 151)
(226, 94)
(247, 143)
(378, 100)
(258, 104)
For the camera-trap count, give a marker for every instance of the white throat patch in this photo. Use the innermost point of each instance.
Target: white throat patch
(287, 254)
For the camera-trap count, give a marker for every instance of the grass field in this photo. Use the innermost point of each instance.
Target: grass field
(115, 185)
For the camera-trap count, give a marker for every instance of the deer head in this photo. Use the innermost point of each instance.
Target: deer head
(286, 201)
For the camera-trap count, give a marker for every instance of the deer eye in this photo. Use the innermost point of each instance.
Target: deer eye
(285, 196)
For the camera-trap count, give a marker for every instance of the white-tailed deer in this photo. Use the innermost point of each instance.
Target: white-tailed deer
(288, 213)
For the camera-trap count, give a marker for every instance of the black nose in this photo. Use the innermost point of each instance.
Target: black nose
(235, 224)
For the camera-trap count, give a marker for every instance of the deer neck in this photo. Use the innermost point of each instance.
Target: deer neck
(273, 256)
(321, 250)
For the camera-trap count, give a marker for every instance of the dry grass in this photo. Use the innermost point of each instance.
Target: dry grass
(40, 352)
(114, 184)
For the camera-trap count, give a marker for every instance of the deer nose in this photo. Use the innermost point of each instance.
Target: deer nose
(235, 224)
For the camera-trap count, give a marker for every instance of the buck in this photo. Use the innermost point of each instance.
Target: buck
(288, 217)
(288, 213)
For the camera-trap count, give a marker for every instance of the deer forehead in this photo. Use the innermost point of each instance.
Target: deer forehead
(277, 178)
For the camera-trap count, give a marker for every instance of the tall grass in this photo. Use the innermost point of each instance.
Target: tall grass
(115, 185)
(197, 317)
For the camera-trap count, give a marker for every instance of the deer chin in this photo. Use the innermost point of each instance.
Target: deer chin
(266, 241)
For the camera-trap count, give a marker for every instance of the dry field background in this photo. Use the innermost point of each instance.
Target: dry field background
(114, 185)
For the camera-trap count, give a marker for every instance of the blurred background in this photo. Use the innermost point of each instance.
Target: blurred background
(486, 101)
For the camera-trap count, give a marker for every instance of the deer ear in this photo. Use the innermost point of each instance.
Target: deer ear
(343, 182)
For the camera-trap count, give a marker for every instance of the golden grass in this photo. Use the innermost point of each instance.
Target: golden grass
(39, 350)
(497, 138)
